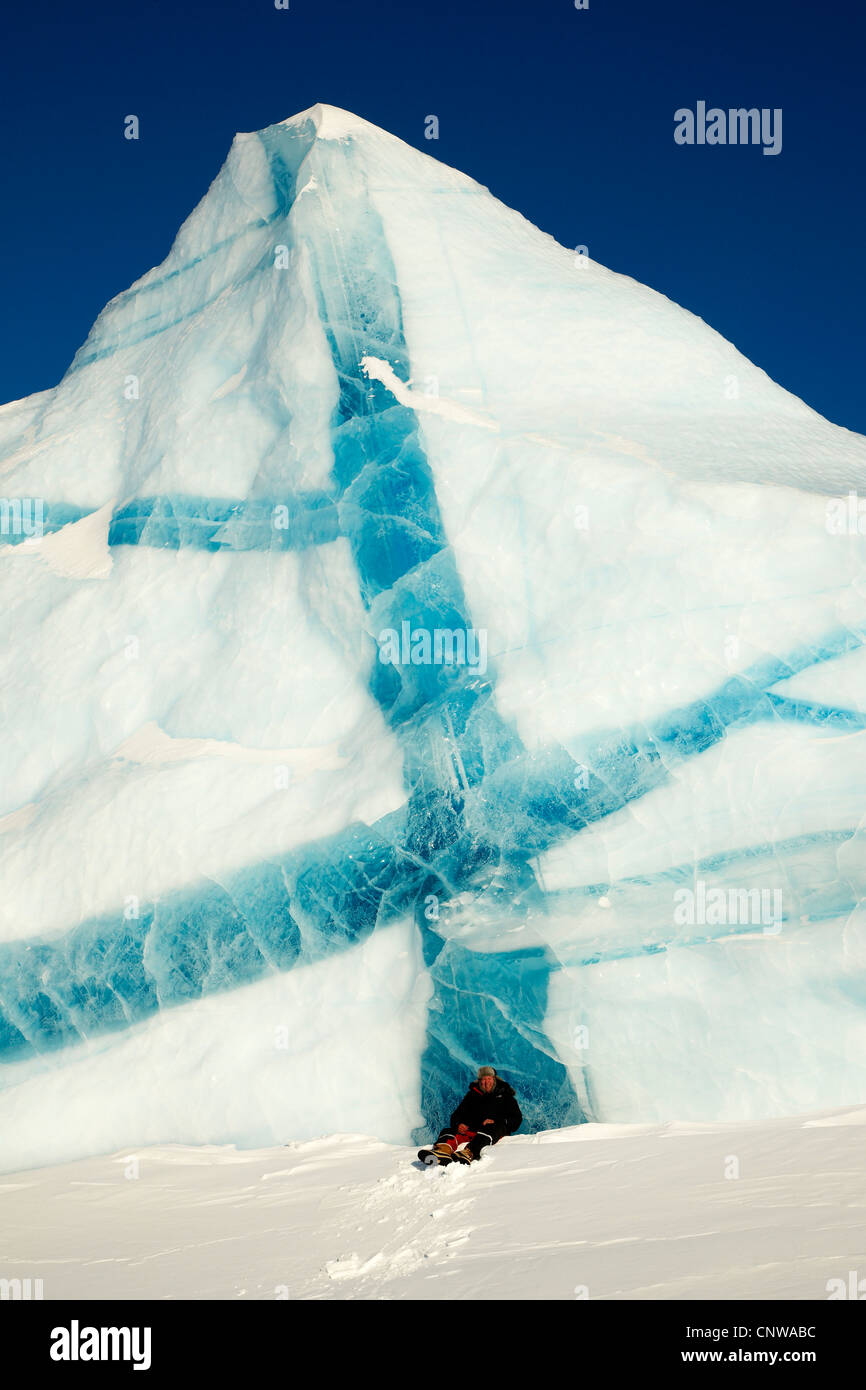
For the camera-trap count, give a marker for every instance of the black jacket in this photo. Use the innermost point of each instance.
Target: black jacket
(499, 1105)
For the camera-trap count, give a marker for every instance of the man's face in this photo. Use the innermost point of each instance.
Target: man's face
(487, 1083)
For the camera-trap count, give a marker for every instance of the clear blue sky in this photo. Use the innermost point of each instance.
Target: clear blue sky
(566, 115)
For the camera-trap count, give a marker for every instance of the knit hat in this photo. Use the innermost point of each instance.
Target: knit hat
(486, 1071)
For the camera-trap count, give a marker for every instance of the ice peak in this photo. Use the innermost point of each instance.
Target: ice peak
(330, 122)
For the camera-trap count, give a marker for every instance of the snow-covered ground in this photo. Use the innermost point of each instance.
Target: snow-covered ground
(681, 1211)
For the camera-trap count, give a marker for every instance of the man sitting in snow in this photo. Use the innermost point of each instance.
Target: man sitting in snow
(487, 1112)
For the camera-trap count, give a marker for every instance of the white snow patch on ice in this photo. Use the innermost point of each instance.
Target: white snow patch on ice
(378, 370)
(77, 551)
(150, 744)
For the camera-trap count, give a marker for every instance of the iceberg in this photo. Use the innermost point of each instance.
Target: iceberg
(434, 649)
